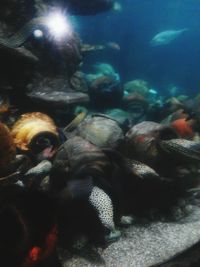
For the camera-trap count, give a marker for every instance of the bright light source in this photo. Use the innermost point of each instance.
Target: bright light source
(38, 33)
(58, 25)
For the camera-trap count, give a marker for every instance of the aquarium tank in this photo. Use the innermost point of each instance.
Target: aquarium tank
(99, 133)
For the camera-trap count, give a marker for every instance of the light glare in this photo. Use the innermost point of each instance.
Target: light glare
(58, 25)
(38, 33)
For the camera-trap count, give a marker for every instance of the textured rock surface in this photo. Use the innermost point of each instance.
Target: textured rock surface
(59, 98)
(147, 245)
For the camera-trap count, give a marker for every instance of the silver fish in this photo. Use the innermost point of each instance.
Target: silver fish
(166, 37)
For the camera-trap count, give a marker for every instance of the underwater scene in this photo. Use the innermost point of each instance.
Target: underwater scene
(99, 133)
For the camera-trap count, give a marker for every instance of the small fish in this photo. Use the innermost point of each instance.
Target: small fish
(153, 91)
(113, 45)
(117, 6)
(91, 48)
(85, 48)
(166, 37)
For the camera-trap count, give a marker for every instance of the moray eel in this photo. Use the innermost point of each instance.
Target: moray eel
(80, 170)
(102, 203)
(19, 38)
(186, 149)
(131, 166)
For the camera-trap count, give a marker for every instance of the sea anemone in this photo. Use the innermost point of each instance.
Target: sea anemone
(34, 130)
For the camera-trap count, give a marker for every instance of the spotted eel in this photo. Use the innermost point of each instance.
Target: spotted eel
(187, 149)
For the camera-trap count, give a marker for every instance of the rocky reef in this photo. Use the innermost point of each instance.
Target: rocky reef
(87, 159)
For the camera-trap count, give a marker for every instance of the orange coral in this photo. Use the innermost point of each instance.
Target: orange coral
(36, 254)
(183, 128)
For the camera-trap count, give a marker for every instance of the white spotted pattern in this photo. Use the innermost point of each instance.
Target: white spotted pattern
(143, 169)
(103, 205)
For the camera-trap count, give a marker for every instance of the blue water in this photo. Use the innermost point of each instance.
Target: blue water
(139, 20)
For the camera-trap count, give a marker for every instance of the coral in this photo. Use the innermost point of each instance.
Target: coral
(106, 69)
(137, 86)
(183, 128)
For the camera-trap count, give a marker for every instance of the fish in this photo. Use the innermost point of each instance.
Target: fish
(85, 48)
(166, 37)
(117, 6)
(182, 148)
(113, 45)
(153, 91)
